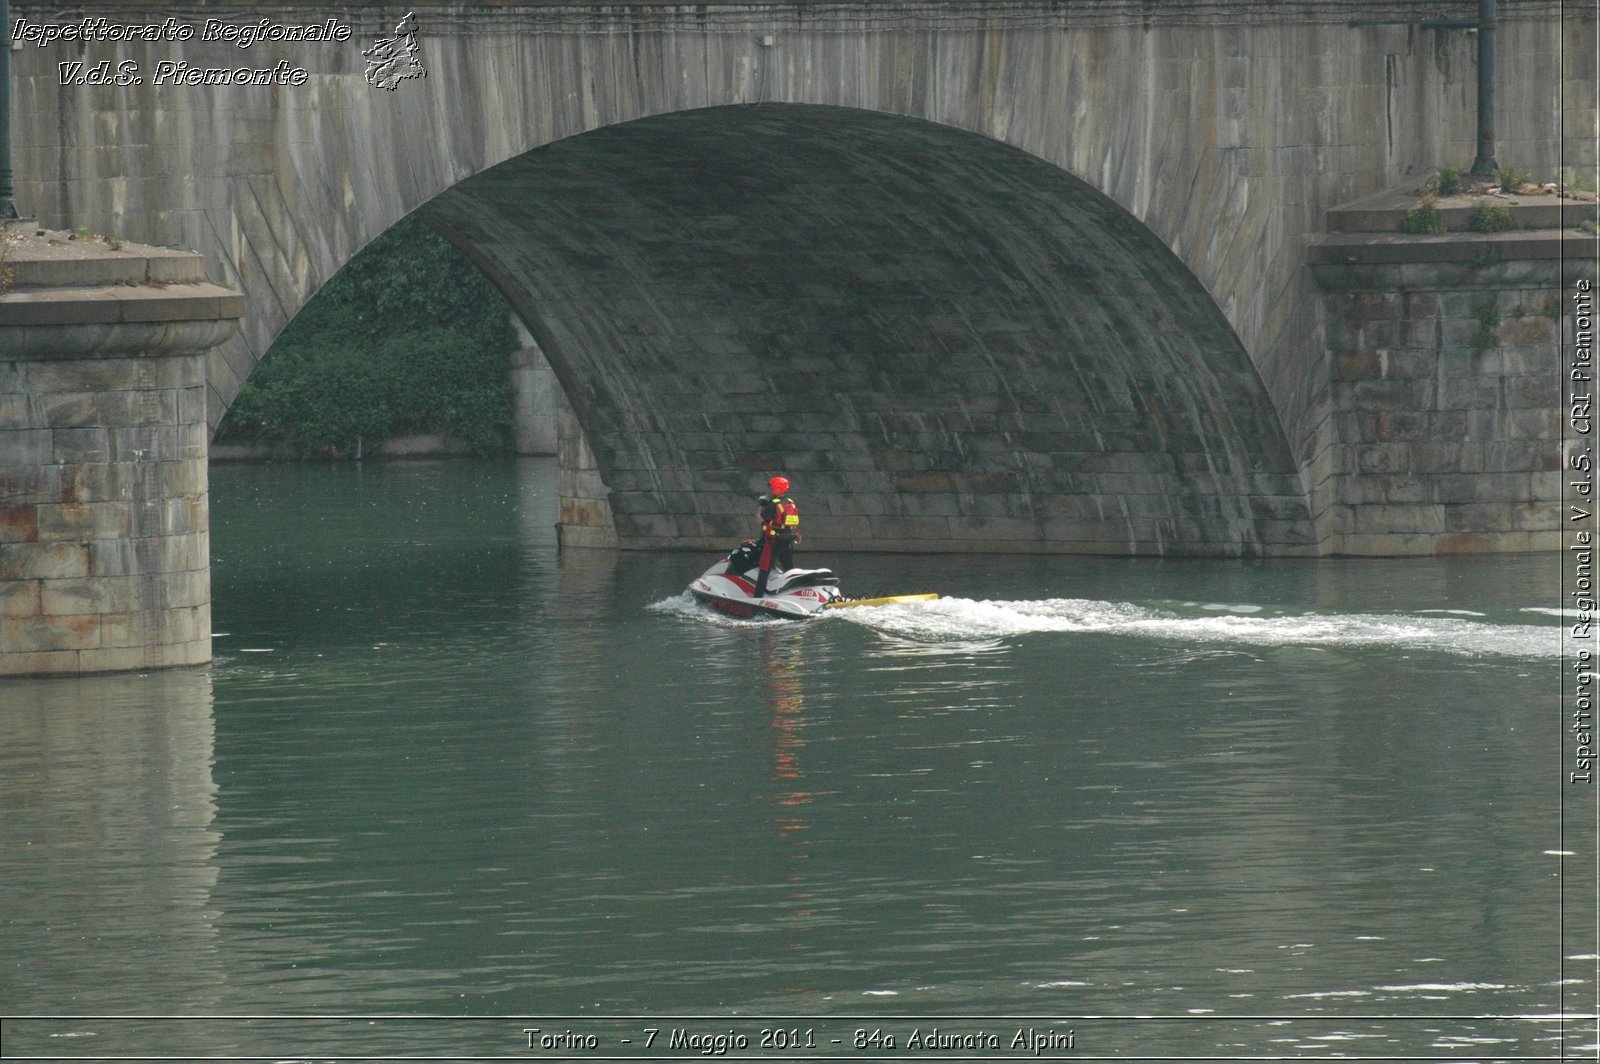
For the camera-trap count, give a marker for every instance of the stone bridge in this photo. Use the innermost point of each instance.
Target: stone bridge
(1017, 275)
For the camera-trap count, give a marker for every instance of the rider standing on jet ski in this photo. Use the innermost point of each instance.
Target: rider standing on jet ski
(780, 530)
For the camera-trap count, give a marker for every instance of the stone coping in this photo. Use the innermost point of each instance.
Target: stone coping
(1342, 249)
(1384, 211)
(113, 304)
(37, 257)
(55, 277)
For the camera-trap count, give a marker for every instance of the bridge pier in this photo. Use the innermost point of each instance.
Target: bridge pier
(1444, 428)
(104, 522)
(537, 392)
(586, 519)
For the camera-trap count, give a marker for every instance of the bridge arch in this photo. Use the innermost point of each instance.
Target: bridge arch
(1226, 130)
(946, 342)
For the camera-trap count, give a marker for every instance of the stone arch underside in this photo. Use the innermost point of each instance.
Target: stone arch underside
(945, 342)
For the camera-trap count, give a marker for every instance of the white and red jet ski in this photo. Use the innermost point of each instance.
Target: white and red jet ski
(795, 594)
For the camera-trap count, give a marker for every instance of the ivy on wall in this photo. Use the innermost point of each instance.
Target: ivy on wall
(407, 338)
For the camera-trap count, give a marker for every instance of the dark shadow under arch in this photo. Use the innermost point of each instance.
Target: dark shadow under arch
(947, 343)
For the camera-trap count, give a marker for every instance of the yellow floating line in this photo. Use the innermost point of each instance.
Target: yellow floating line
(887, 600)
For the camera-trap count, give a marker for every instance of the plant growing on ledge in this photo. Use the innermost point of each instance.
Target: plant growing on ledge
(1450, 181)
(1512, 179)
(1490, 218)
(1488, 319)
(1483, 256)
(1423, 218)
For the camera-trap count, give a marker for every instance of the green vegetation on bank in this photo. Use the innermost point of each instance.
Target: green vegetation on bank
(1485, 216)
(408, 338)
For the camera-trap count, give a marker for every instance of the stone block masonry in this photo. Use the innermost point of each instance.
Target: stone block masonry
(104, 534)
(1444, 405)
(538, 395)
(586, 519)
(1061, 386)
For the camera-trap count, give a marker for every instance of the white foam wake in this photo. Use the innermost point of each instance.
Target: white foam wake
(686, 605)
(958, 618)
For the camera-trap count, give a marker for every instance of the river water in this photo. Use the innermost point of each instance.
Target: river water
(443, 785)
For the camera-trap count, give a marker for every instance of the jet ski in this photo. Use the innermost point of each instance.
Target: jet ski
(795, 594)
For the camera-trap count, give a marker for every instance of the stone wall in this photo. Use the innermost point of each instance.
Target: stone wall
(104, 520)
(537, 395)
(585, 506)
(1447, 361)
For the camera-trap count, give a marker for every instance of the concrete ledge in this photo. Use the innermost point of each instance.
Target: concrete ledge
(112, 339)
(1358, 249)
(103, 266)
(116, 304)
(1385, 211)
(42, 257)
(75, 296)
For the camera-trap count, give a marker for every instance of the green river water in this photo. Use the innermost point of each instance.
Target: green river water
(443, 785)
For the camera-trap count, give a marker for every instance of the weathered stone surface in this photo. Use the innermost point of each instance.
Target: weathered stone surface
(42, 633)
(83, 521)
(73, 307)
(1126, 399)
(1450, 441)
(18, 523)
(43, 561)
(103, 548)
(538, 397)
(20, 598)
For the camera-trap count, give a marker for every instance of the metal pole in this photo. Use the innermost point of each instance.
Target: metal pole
(8, 205)
(1484, 163)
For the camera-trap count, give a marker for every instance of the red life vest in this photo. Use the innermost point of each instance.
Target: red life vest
(785, 517)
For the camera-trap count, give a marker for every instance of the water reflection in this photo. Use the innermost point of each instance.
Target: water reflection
(110, 841)
(784, 671)
(449, 770)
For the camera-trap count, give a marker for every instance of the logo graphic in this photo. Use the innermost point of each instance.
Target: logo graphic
(394, 59)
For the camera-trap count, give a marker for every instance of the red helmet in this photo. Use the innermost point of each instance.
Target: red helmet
(779, 485)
